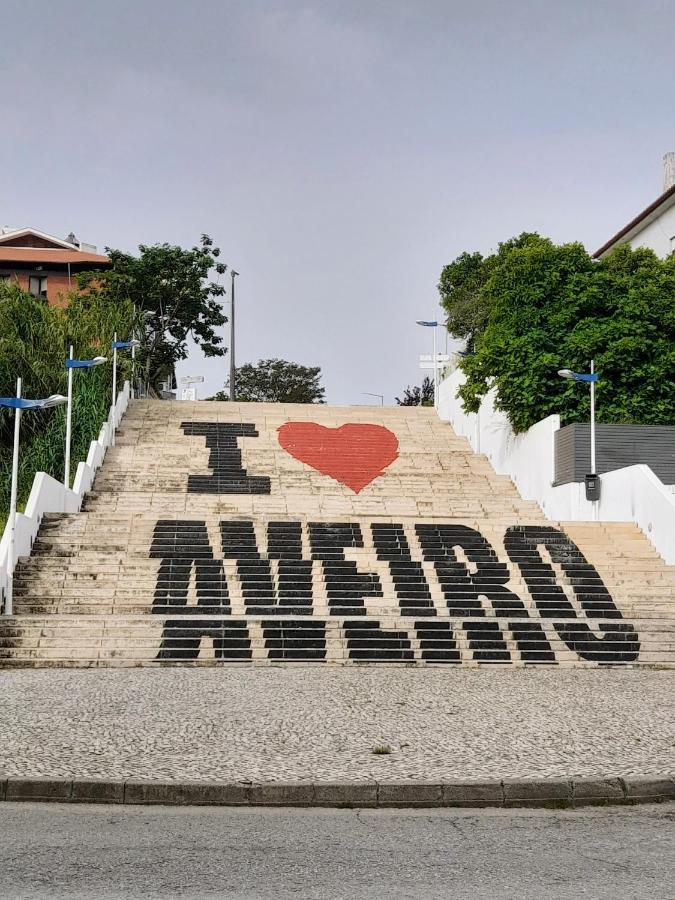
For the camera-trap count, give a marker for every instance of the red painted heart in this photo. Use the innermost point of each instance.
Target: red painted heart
(352, 454)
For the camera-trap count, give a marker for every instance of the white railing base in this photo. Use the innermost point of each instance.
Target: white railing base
(632, 494)
(48, 495)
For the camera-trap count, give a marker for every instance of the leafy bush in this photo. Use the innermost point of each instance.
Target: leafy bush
(418, 396)
(276, 381)
(34, 342)
(547, 307)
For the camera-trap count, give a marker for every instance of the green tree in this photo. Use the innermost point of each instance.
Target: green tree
(552, 307)
(462, 289)
(276, 381)
(174, 298)
(418, 396)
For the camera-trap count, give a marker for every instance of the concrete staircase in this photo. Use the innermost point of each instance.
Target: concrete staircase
(220, 533)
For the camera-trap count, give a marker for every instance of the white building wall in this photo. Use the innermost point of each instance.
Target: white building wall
(633, 494)
(658, 235)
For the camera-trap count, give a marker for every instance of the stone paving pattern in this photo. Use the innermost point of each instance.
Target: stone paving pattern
(321, 724)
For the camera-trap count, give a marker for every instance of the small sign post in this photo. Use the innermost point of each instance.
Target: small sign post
(190, 393)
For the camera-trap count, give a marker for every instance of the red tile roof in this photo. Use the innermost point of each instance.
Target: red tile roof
(45, 256)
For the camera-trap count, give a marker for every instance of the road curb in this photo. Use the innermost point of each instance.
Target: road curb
(506, 793)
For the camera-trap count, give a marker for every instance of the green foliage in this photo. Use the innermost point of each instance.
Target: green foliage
(462, 289)
(551, 307)
(418, 396)
(171, 291)
(34, 342)
(276, 381)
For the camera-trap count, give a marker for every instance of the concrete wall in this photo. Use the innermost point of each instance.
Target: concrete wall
(527, 458)
(632, 494)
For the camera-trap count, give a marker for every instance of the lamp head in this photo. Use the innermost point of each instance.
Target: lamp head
(53, 400)
(566, 373)
(25, 403)
(426, 323)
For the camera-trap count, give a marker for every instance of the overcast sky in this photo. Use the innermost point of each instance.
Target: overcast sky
(339, 151)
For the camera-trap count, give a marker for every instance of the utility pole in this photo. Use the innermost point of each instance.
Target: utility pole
(232, 363)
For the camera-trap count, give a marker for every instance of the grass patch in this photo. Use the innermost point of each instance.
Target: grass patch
(381, 750)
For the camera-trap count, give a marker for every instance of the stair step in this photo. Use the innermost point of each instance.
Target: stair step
(118, 583)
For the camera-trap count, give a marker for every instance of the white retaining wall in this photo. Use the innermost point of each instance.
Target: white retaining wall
(50, 496)
(633, 494)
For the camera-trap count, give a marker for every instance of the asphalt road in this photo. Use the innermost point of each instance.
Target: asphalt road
(190, 852)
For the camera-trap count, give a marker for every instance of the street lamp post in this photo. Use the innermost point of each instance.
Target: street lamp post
(133, 355)
(370, 394)
(69, 419)
(70, 365)
(18, 404)
(432, 324)
(592, 383)
(590, 378)
(118, 345)
(233, 275)
(12, 502)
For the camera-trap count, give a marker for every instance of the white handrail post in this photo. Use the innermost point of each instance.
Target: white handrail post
(435, 371)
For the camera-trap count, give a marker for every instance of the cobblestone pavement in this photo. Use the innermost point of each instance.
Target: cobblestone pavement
(313, 723)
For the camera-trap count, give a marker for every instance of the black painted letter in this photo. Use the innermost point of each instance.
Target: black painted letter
(182, 545)
(345, 585)
(225, 460)
(619, 643)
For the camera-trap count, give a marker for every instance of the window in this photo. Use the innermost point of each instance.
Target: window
(37, 285)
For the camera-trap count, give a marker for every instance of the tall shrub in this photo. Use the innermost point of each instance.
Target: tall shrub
(34, 342)
(551, 306)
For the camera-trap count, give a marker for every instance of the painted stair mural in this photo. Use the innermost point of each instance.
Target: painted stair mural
(269, 534)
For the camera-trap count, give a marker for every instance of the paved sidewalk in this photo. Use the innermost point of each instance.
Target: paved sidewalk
(313, 723)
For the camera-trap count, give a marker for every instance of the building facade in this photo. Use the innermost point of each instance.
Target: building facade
(44, 265)
(654, 227)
